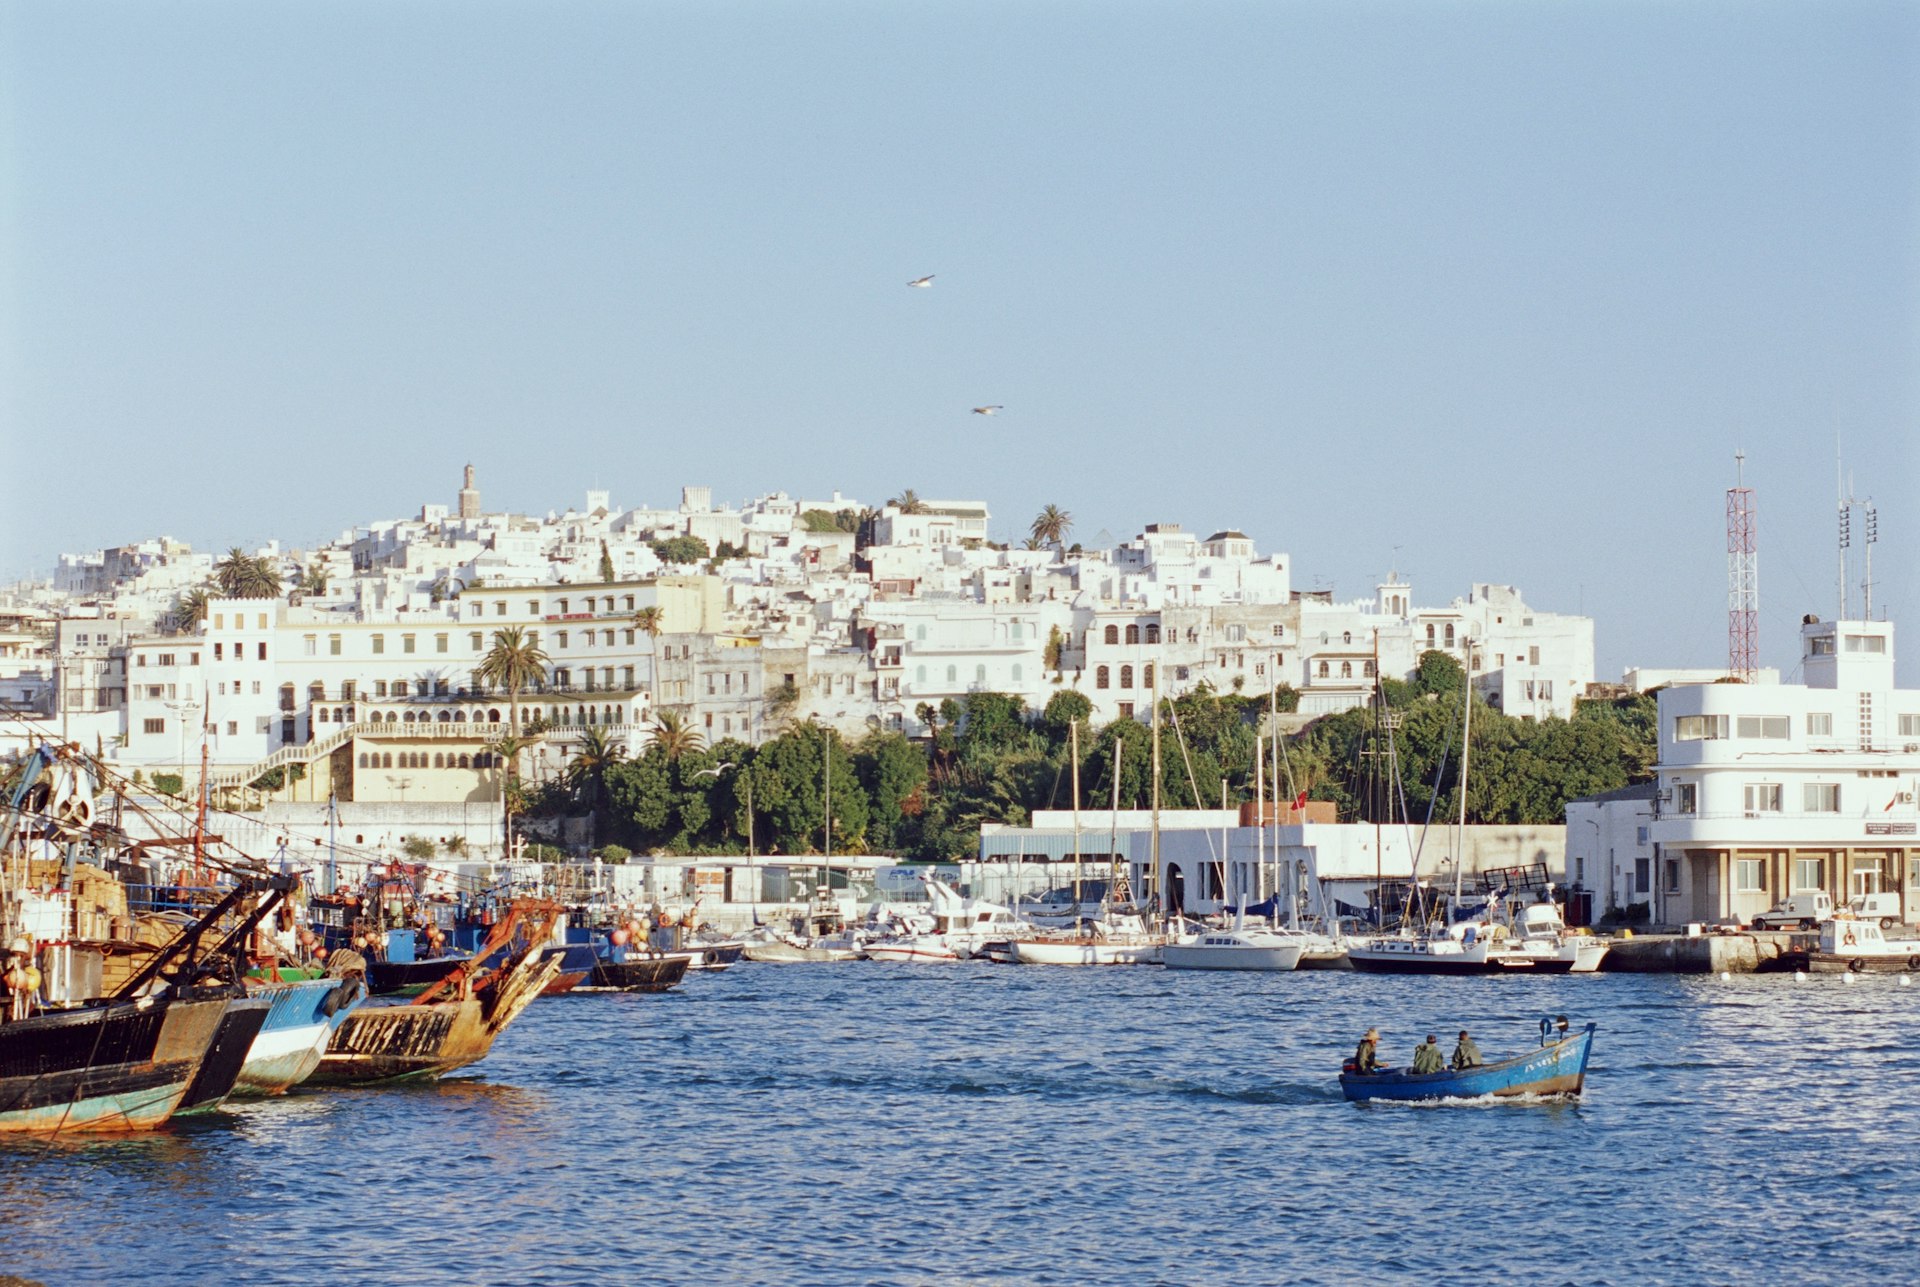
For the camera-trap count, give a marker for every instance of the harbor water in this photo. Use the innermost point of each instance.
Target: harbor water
(869, 1123)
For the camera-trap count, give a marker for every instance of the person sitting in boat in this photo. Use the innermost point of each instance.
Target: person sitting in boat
(1466, 1054)
(1426, 1056)
(1366, 1058)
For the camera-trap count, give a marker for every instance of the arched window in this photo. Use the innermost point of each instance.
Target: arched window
(1153, 632)
(459, 717)
(1126, 676)
(1133, 635)
(1146, 678)
(1449, 634)
(1346, 636)
(316, 692)
(1100, 675)
(1346, 670)
(466, 761)
(1429, 634)
(1366, 668)
(1323, 670)
(386, 760)
(493, 715)
(1113, 634)
(446, 717)
(439, 760)
(363, 759)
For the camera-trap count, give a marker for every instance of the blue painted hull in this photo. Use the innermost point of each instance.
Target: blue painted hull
(1558, 1070)
(303, 1019)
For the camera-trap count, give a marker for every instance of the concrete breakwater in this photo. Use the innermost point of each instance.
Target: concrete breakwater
(1747, 952)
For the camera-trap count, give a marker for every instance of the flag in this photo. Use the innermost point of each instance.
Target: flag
(1300, 802)
(1890, 803)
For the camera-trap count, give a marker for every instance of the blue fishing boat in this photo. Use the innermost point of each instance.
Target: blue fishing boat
(1557, 1070)
(303, 1017)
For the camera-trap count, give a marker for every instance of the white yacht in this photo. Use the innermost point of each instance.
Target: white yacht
(1246, 948)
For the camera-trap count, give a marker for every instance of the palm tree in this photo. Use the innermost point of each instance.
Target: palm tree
(586, 773)
(649, 621)
(266, 579)
(234, 573)
(909, 502)
(1051, 525)
(316, 578)
(515, 663)
(674, 736)
(189, 610)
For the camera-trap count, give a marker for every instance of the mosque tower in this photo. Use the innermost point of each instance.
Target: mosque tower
(469, 496)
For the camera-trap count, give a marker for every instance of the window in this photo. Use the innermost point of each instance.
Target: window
(1449, 634)
(562, 639)
(1876, 644)
(406, 643)
(476, 641)
(1673, 875)
(156, 726)
(1322, 672)
(310, 645)
(1276, 630)
(1699, 728)
(1100, 677)
(1686, 798)
(1153, 632)
(920, 634)
(1236, 633)
(333, 645)
(379, 688)
(1909, 725)
(1763, 797)
(1126, 710)
(626, 676)
(216, 654)
(1809, 874)
(1126, 676)
(1749, 876)
(1112, 634)
(379, 644)
(219, 621)
(500, 607)
(346, 690)
(1146, 678)
(533, 607)
(1820, 646)
(1346, 670)
(1820, 797)
(263, 650)
(1533, 656)
(1133, 634)
(439, 643)
(1643, 875)
(1772, 728)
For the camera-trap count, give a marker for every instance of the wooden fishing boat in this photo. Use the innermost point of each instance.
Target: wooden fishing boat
(238, 1021)
(636, 974)
(1557, 1070)
(111, 1066)
(301, 1019)
(456, 1021)
(576, 967)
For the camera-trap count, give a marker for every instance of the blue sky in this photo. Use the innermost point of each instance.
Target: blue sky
(1491, 292)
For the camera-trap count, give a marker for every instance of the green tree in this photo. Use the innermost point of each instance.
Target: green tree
(586, 774)
(1051, 525)
(818, 520)
(1438, 672)
(515, 663)
(909, 502)
(189, 610)
(893, 770)
(674, 736)
(606, 563)
(681, 549)
(316, 579)
(418, 848)
(788, 777)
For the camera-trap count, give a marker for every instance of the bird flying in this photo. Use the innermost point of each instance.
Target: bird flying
(988, 411)
(922, 281)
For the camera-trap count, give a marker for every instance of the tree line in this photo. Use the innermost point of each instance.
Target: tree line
(991, 758)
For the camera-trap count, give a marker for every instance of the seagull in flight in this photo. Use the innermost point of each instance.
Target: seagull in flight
(922, 282)
(996, 409)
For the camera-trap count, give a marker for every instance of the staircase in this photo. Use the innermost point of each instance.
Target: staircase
(305, 753)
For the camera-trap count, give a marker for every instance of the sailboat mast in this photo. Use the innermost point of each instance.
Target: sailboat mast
(1466, 746)
(1114, 881)
(1153, 851)
(826, 755)
(1078, 874)
(1260, 836)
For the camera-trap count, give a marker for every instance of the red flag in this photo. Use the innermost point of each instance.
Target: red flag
(1890, 804)
(1300, 802)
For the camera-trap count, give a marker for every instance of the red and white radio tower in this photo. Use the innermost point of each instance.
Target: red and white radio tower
(1743, 579)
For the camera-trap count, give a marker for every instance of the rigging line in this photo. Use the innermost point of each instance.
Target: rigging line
(1192, 782)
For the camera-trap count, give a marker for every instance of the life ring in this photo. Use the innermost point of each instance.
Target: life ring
(1913, 962)
(1856, 965)
(1850, 940)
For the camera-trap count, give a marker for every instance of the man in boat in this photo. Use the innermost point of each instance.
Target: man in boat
(1366, 1057)
(1465, 1054)
(1426, 1056)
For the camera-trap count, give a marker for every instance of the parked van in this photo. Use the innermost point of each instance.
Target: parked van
(1803, 910)
(1881, 908)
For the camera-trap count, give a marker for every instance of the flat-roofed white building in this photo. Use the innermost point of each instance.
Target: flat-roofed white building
(1766, 790)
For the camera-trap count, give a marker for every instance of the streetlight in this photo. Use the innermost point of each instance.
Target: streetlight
(181, 708)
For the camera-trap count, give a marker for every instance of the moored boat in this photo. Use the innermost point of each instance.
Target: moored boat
(301, 1020)
(576, 967)
(455, 1022)
(1248, 948)
(1557, 1069)
(636, 973)
(111, 1066)
(1859, 947)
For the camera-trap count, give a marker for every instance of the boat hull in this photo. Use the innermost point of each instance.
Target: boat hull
(109, 1068)
(917, 951)
(304, 1017)
(576, 967)
(1199, 956)
(239, 1025)
(1040, 952)
(788, 954)
(640, 974)
(1418, 958)
(1555, 1071)
(1830, 963)
(402, 1041)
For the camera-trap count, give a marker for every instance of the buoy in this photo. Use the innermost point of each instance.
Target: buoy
(620, 938)
(1906, 981)
(1851, 977)
(1799, 976)
(1726, 976)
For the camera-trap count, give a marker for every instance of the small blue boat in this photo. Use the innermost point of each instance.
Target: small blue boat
(1557, 1070)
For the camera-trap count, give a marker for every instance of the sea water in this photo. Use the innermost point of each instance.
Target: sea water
(867, 1123)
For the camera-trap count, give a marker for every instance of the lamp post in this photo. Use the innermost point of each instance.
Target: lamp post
(181, 709)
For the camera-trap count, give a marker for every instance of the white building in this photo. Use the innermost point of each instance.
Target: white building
(1766, 790)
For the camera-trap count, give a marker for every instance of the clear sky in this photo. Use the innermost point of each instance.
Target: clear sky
(1490, 292)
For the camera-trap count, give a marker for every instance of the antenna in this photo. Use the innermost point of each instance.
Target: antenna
(1743, 577)
(1873, 538)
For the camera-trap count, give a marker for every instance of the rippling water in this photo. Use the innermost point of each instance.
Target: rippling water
(982, 1124)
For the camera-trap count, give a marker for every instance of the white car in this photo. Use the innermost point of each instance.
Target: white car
(1803, 910)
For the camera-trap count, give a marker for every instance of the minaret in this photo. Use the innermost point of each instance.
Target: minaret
(469, 496)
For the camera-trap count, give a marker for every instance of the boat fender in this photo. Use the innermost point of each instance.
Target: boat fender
(1913, 962)
(1856, 965)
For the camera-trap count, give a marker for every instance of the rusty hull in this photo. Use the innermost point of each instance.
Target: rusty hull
(411, 1041)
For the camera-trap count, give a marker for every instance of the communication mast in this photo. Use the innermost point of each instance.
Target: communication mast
(1743, 578)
